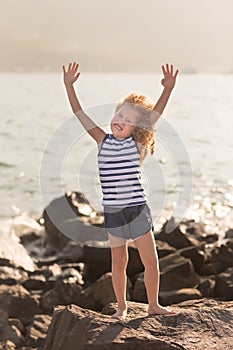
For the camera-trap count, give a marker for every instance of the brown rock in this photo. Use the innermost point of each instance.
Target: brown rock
(9, 332)
(177, 272)
(191, 328)
(229, 233)
(164, 249)
(65, 291)
(139, 289)
(75, 274)
(166, 297)
(72, 217)
(177, 296)
(210, 268)
(197, 257)
(18, 303)
(50, 271)
(7, 345)
(17, 323)
(176, 238)
(103, 290)
(49, 300)
(72, 252)
(37, 331)
(219, 259)
(100, 293)
(196, 229)
(206, 287)
(36, 282)
(225, 255)
(11, 275)
(224, 285)
(97, 261)
(135, 265)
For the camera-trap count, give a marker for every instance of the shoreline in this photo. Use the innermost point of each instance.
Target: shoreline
(212, 208)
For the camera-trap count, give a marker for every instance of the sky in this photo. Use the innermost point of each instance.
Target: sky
(116, 35)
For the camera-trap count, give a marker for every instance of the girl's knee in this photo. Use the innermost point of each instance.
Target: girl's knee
(120, 263)
(151, 263)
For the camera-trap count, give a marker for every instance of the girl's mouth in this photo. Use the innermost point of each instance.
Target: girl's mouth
(118, 126)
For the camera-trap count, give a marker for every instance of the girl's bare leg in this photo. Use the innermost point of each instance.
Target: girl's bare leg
(147, 250)
(119, 278)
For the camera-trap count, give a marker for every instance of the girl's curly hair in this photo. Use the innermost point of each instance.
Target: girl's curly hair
(143, 132)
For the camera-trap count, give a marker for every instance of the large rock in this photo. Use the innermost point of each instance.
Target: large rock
(197, 257)
(176, 238)
(191, 328)
(97, 261)
(65, 291)
(72, 217)
(99, 294)
(177, 272)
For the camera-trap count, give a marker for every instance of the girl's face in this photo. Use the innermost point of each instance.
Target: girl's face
(124, 122)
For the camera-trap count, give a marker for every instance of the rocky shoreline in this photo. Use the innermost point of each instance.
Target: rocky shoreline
(42, 268)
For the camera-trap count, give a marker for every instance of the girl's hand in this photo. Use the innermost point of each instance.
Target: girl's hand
(169, 79)
(71, 74)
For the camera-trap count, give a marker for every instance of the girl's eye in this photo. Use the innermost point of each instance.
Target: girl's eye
(128, 121)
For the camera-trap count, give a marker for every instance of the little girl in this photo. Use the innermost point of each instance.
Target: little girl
(127, 215)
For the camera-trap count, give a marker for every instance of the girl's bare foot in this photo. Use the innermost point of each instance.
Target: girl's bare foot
(120, 314)
(160, 310)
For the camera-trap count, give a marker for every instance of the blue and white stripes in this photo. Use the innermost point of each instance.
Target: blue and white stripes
(119, 170)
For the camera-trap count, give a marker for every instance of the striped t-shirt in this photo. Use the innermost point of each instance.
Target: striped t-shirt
(119, 171)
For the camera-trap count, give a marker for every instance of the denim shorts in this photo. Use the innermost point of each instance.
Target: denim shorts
(128, 222)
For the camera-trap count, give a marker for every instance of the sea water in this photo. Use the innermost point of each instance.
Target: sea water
(45, 151)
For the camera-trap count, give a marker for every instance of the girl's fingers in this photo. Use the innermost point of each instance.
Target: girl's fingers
(177, 71)
(72, 67)
(163, 69)
(171, 70)
(75, 66)
(64, 69)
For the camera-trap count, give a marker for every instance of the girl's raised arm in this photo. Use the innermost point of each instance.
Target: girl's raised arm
(71, 74)
(168, 82)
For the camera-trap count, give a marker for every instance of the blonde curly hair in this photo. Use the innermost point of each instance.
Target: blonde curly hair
(144, 131)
